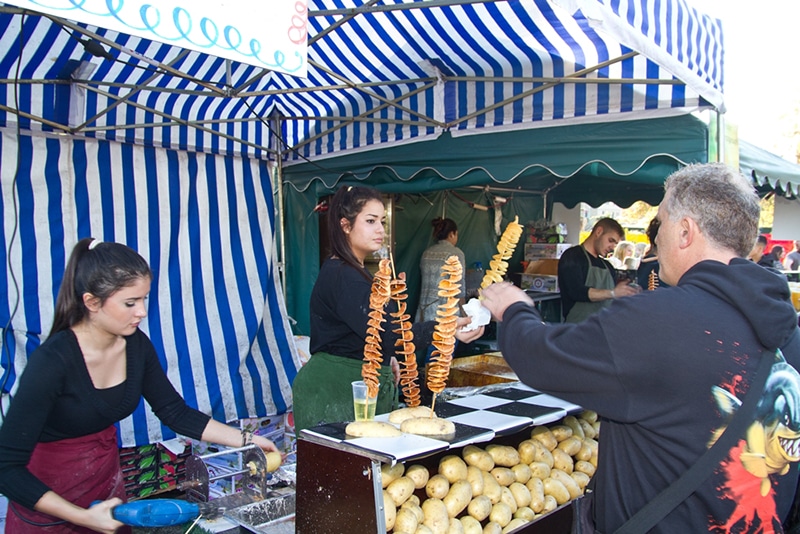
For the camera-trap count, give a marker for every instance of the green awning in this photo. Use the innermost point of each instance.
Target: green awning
(769, 171)
(620, 161)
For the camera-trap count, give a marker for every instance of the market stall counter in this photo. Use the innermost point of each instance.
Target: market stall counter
(347, 484)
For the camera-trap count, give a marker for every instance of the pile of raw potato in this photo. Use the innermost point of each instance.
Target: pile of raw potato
(495, 489)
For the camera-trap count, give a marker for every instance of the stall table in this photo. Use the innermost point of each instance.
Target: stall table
(339, 486)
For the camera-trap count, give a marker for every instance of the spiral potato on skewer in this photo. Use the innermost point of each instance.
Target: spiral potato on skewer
(379, 296)
(444, 332)
(498, 265)
(405, 345)
(652, 281)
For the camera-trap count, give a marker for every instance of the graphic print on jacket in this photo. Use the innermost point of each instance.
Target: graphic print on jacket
(772, 443)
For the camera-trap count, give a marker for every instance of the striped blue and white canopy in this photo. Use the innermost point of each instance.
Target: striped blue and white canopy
(167, 149)
(388, 71)
(205, 224)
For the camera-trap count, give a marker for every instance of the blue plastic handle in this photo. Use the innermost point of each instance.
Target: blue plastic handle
(155, 512)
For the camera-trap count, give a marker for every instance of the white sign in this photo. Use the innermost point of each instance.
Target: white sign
(786, 219)
(267, 33)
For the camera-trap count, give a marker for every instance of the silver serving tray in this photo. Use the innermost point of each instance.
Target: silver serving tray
(273, 515)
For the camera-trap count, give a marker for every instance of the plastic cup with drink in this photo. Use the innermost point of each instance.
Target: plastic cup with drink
(363, 405)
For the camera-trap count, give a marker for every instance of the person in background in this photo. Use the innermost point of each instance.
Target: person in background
(622, 253)
(445, 232)
(758, 249)
(58, 442)
(586, 280)
(648, 267)
(792, 261)
(339, 309)
(662, 403)
(773, 258)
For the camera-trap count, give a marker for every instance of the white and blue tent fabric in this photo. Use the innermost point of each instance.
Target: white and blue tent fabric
(204, 222)
(379, 72)
(171, 150)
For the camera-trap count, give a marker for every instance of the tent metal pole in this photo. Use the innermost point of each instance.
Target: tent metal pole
(281, 230)
(20, 113)
(563, 79)
(371, 94)
(508, 189)
(396, 7)
(133, 53)
(124, 98)
(720, 136)
(336, 118)
(341, 21)
(178, 120)
(429, 121)
(544, 206)
(251, 81)
(166, 124)
(330, 87)
(525, 94)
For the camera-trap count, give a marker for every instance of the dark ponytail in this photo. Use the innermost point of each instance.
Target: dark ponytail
(442, 228)
(347, 203)
(98, 268)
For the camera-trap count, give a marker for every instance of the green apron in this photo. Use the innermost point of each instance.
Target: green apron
(597, 278)
(322, 390)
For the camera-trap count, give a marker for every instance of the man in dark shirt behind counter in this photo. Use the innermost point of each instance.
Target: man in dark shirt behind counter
(587, 282)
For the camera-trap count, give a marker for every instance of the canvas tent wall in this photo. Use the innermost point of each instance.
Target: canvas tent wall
(379, 73)
(206, 225)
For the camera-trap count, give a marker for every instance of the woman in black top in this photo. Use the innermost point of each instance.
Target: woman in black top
(339, 306)
(58, 442)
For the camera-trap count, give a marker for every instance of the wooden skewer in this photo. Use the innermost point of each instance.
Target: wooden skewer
(432, 405)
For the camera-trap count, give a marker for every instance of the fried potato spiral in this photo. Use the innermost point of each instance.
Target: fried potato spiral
(444, 332)
(379, 296)
(652, 281)
(505, 248)
(404, 346)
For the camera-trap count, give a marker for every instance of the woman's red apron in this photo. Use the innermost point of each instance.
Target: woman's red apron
(81, 470)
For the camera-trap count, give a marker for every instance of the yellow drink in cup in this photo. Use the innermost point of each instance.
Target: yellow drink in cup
(363, 406)
(794, 287)
(364, 409)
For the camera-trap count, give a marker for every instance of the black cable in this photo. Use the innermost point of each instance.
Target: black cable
(12, 506)
(7, 327)
(95, 48)
(283, 143)
(90, 45)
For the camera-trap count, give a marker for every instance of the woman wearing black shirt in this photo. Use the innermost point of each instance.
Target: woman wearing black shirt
(58, 442)
(339, 307)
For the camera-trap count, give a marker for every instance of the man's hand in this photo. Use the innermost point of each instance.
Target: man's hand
(625, 289)
(395, 369)
(498, 297)
(470, 335)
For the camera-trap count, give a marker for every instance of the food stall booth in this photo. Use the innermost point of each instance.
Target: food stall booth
(196, 161)
(341, 479)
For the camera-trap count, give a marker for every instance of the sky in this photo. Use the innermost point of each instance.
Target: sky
(761, 69)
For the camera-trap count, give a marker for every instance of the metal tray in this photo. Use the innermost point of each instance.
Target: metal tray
(273, 515)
